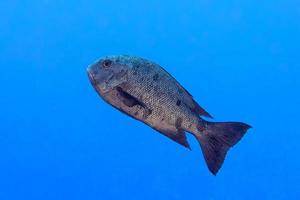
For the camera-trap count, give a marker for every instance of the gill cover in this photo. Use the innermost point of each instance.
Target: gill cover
(108, 73)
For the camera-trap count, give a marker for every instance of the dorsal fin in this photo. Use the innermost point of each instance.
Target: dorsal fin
(188, 98)
(200, 111)
(193, 105)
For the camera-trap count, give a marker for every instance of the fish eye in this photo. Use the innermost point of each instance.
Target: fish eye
(106, 63)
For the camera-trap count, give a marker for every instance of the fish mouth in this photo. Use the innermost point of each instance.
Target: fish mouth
(94, 82)
(91, 77)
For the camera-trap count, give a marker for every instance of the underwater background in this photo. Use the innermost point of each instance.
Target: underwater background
(59, 140)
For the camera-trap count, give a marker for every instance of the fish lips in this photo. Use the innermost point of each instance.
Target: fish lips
(97, 79)
(91, 77)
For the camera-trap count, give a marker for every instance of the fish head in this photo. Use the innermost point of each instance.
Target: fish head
(109, 72)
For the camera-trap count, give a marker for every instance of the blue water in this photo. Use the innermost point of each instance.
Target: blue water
(59, 140)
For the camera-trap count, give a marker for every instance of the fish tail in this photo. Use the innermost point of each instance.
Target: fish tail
(216, 138)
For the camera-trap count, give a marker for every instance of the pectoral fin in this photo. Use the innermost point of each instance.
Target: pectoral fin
(128, 99)
(131, 101)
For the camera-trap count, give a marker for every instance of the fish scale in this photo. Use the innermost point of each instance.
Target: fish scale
(158, 96)
(145, 91)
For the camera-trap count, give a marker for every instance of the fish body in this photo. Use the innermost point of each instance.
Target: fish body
(145, 91)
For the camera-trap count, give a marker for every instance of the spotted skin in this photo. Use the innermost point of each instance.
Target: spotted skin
(145, 91)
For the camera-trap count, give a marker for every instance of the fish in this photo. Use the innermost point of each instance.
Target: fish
(146, 92)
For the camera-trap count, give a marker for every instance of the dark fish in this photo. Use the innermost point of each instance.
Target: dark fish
(146, 92)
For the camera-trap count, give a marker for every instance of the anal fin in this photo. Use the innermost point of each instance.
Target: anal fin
(176, 135)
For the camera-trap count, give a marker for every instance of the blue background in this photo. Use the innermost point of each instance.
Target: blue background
(59, 140)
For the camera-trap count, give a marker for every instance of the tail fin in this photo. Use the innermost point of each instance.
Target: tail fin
(217, 138)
